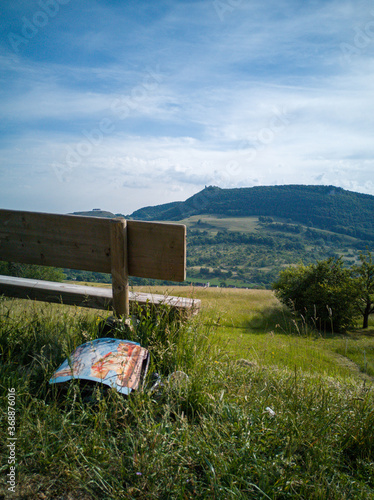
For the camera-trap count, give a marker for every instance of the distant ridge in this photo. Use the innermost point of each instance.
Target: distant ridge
(325, 207)
(245, 237)
(98, 213)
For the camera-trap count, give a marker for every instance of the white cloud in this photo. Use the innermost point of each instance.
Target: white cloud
(162, 104)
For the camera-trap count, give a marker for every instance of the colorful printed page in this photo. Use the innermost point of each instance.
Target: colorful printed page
(117, 363)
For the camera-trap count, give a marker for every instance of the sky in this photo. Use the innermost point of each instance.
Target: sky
(120, 105)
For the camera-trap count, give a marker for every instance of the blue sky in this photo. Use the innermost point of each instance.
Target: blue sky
(123, 104)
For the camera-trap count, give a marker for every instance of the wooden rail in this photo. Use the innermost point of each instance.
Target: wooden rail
(116, 246)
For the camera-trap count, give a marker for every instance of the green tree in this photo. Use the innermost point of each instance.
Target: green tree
(365, 277)
(324, 293)
(31, 271)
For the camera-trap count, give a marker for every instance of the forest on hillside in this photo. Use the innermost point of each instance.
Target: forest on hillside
(324, 207)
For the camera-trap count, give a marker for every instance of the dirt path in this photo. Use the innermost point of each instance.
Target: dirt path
(353, 367)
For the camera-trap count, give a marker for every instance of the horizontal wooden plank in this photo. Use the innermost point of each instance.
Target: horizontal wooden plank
(193, 305)
(51, 291)
(85, 296)
(69, 241)
(156, 250)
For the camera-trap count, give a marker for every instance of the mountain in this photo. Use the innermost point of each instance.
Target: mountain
(324, 207)
(245, 237)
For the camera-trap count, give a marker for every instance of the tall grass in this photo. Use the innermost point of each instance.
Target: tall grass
(239, 428)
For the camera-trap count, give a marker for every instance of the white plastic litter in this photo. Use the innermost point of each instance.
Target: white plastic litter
(270, 411)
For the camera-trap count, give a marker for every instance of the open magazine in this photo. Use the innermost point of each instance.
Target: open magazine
(121, 364)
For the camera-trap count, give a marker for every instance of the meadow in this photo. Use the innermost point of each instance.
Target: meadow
(272, 408)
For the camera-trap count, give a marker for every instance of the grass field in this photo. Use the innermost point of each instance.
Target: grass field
(272, 409)
(214, 223)
(252, 324)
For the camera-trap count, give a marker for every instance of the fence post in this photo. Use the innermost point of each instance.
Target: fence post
(120, 287)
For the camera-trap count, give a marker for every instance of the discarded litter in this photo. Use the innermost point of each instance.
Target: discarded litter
(121, 364)
(270, 411)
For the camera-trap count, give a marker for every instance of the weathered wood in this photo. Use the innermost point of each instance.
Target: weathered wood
(51, 291)
(120, 247)
(69, 241)
(85, 296)
(120, 286)
(156, 250)
(192, 306)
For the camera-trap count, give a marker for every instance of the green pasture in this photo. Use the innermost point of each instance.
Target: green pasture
(253, 325)
(271, 410)
(214, 223)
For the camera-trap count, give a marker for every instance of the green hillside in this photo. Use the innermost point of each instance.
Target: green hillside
(245, 237)
(251, 251)
(323, 207)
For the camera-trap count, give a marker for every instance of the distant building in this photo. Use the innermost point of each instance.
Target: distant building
(96, 209)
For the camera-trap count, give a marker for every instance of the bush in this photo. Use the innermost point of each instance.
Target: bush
(324, 293)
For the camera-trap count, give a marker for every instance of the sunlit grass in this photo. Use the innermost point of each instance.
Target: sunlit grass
(252, 324)
(360, 350)
(212, 223)
(270, 409)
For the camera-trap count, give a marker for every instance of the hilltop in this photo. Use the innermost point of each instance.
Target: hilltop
(245, 237)
(324, 207)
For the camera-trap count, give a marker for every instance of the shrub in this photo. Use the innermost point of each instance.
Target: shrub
(324, 293)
